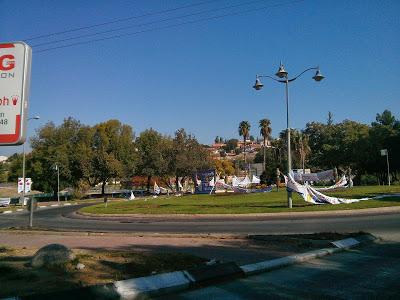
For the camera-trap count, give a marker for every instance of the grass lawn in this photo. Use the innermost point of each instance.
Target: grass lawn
(244, 203)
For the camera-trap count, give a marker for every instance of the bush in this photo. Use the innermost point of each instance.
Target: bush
(368, 179)
(81, 190)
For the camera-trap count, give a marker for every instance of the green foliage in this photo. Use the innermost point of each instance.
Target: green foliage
(224, 167)
(188, 155)
(14, 166)
(154, 151)
(94, 154)
(231, 145)
(3, 172)
(355, 145)
(244, 129)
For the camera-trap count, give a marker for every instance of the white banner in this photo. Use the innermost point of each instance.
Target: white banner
(310, 194)
(28, 185)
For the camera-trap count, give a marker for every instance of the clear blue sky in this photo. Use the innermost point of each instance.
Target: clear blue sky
(200, 76)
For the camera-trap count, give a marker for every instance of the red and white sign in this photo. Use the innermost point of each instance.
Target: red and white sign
(15, 72)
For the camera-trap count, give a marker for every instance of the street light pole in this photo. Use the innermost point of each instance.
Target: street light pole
(58, 183)
(23, 177)
(289, 155)
(283, 75)
(387, 162)
(22, 198)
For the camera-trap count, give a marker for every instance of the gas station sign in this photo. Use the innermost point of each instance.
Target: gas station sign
(15, 72)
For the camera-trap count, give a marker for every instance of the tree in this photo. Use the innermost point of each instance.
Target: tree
(14, 163)
(92, 154)
(3, 171)
(224, 167)
(301, 145)
(244, 131)
(385, 119)
(216, 140)
(231, 145)
(330, 118)
(188, 156)
(55, 145)
(113, 154)
(271, 163)
(154, 154)
(265, 132)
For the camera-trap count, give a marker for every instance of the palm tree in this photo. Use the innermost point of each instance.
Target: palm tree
(265, 131)
(244, 130)
(302, 146)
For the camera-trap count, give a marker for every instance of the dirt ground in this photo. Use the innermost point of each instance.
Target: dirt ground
(111, 257)
(17, 277)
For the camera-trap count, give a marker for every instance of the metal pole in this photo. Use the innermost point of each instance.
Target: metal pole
(22, 198)
(387, 161)
(23, 191)
(289, 156)
(58, 183)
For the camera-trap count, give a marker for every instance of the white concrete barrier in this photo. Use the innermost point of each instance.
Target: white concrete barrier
(156, 284)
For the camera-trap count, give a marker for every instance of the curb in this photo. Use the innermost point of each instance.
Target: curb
(161, 284)
(268, 265)
(38, 207)
(268, 216)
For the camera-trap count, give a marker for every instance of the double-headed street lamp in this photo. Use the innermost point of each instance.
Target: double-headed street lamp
(284, 78)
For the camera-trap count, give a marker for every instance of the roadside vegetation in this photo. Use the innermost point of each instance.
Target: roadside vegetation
(245, 203)
(111, 151)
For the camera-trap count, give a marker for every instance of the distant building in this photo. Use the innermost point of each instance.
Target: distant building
(3, 158)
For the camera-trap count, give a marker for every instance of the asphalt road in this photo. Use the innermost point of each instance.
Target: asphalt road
(62, 218)
(369, 272)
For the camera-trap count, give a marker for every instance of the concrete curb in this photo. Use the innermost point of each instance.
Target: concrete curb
(38, 207)
(152, 285)
(341, 245)
(268, 265)
(160, 284)
(270, 216)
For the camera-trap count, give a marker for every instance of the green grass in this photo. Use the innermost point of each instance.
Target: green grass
(244, 203)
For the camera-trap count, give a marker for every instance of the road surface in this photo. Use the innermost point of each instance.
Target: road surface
(64, 218)
(369, 272)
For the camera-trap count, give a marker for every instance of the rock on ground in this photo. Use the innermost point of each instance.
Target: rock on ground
(52, 255)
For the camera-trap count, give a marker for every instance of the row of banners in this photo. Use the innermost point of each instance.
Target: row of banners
(28, 185)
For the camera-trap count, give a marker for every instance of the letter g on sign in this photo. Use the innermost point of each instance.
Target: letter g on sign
(7, 62)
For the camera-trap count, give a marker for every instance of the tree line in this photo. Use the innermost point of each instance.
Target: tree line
(346, 146)
(91, 155)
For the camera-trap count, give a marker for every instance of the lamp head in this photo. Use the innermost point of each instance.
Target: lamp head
(281, 72)
(258, 85)
(318, 76)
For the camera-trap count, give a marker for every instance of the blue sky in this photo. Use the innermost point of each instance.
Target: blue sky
(200, 76)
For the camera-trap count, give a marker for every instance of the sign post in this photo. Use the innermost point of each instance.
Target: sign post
(15, 71)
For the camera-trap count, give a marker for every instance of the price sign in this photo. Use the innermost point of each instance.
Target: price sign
(15, 71)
